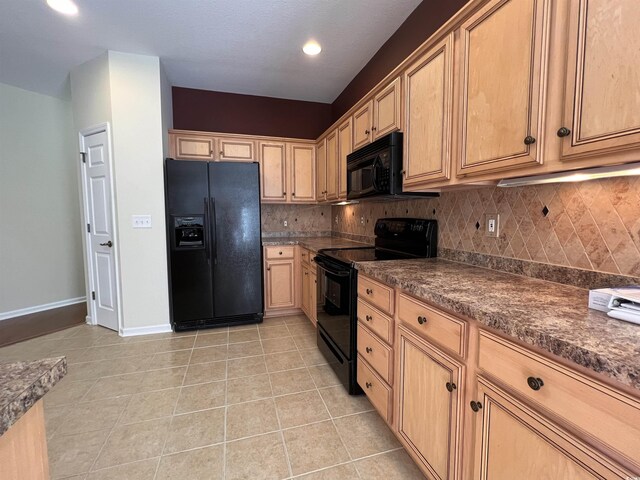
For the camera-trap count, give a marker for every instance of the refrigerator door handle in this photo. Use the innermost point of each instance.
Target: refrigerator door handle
(206, 228)
(215, 231)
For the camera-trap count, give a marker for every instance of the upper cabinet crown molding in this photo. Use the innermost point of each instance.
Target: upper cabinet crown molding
(504, 52)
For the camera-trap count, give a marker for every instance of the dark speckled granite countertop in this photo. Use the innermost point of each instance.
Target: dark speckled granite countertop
(548, 315)
(22, 384)
(313, 243)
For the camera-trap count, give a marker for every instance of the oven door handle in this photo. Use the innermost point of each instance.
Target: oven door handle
(326, 266)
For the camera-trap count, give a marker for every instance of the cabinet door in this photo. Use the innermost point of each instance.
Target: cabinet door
(332, 165)
(306, 289)
(193, 147)
(512, 438)
(313, 296)
(362, 121)
(602, 105)
(302, 167)
(234, 149)
(428, 106)
(280, 284)
(272, 172)
(504, 55)
(345, 147)
(386, 110)
(428, 413)
(321, 171)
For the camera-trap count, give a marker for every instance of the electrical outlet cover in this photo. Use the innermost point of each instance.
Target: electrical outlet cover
(492, 225)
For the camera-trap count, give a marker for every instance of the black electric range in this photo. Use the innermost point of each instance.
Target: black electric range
(396, 239)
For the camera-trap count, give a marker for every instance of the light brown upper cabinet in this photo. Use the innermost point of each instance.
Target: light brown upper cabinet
(192, 147)
(273, 172)
(301, 163)
(287, 172)
(602, 104)
(378, 116)
(428, 116)
(234, 149)
(362, 125)
(386, 110)
(332, 166)
(321, 171)
(345, 147)
(504, 53)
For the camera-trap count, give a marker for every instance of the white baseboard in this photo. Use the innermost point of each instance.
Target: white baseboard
(134, 331)
(41, 308)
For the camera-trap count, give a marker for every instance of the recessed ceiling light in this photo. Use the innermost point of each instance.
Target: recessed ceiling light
(312, 48)
(63, 6)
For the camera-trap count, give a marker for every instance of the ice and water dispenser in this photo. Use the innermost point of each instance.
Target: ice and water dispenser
(188, 231)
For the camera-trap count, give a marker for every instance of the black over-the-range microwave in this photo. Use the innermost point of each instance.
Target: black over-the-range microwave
(375, 170)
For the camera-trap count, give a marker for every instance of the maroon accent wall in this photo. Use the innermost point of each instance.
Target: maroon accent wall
(234, 113)
(428, 17)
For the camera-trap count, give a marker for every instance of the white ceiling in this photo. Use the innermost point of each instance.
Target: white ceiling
(241, 46)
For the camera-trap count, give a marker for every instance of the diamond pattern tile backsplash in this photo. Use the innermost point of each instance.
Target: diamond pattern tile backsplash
(593, 225)
(301, 219)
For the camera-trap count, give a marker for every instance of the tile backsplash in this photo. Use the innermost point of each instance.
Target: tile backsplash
(302, 220)
(592, 225)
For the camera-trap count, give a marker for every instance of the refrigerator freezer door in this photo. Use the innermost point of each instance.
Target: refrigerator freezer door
(236, 238)
(187, 192)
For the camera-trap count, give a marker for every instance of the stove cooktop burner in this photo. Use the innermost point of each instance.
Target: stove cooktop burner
(364, 254)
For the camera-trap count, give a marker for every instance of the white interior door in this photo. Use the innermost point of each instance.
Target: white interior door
(100, 232)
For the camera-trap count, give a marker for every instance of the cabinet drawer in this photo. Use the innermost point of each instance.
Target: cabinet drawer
(377, 354)
(305, 255)
(604, 415)
(376, 321)
(377, 294)
(273, 253)
(445, 330)
(376, 389)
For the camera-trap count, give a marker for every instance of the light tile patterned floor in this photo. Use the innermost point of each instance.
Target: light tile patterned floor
(251, 402)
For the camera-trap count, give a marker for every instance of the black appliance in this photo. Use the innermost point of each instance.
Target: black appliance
(396, 238)
(214, 243)
(375, 170)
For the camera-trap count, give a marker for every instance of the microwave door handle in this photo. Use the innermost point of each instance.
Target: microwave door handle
(374, 176)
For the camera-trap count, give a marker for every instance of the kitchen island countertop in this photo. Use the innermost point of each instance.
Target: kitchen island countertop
(22, 384)
(551, 316)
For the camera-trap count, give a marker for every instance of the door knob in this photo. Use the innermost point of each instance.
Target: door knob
(529, 140)
(107, 244)
(535, 383)
(475, 406)
(563, 132)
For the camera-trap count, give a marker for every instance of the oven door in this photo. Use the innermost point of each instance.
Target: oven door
(335, 299)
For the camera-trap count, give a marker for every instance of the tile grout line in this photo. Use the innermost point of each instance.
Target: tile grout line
(275, 407)
(166, 438)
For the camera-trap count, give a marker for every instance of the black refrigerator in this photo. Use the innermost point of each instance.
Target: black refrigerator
(214, 243)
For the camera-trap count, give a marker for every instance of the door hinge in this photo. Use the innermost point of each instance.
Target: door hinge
(93, 295)
(84, 157)
(88, 228)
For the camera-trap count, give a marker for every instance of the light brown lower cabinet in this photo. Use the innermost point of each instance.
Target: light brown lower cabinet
(514, 441)
(469, 404)
(280, 283)
(308, 285)
(429, 411)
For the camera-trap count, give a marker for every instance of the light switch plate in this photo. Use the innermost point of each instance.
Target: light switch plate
(141, 221)
(492, 225)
